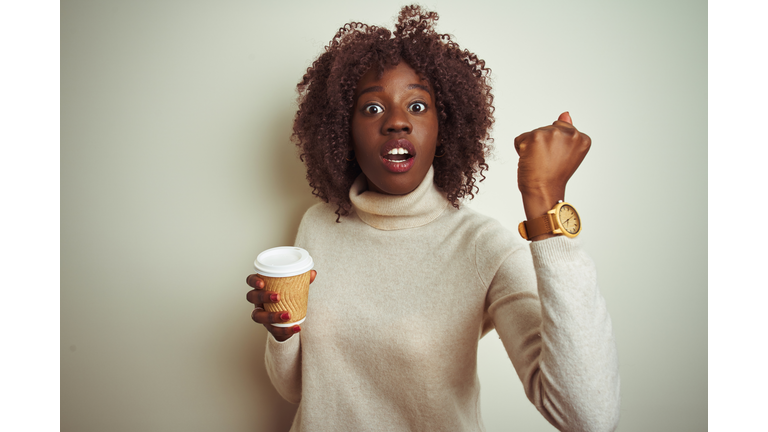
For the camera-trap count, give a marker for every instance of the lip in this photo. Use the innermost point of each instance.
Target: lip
(398, 167)
(398, 143)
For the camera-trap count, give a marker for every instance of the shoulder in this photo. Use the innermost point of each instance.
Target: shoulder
(486, 231)
(318, 213)
(491, 242)
(320, 220)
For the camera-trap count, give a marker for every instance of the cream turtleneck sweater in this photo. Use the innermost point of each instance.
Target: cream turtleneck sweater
(407, 286)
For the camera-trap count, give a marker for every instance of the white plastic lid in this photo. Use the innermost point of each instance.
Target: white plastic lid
(283, 261)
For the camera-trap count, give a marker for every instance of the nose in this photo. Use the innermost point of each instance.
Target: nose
(397, 121)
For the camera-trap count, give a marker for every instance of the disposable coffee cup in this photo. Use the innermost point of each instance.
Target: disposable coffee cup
(285, 270)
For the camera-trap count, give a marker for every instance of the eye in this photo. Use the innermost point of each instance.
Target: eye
(418, 107)
(373, 109)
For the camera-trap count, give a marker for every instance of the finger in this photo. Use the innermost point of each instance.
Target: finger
(283, 333)
(254, 281)
(519, 140)
(562, 127)
(565, 117)
(261, 316)
(260, 296)
(312, 276)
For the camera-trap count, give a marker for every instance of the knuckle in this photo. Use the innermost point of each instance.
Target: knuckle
(280, 333)
(256, 297)
(253, 281)
(543, 134)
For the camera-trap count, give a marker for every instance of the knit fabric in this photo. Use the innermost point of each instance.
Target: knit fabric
(407, 286)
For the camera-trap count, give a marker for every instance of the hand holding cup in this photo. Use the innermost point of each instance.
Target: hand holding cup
(281, 289)
(259, 296)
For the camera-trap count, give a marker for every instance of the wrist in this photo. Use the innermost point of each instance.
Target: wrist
(542, 237)
(538, 204)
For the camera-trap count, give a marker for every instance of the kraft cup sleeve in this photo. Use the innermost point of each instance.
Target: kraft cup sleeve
(294, 291)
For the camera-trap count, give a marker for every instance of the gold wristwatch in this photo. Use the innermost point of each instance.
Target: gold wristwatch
(561, 220)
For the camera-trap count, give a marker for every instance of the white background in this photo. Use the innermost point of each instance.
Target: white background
(177, 169)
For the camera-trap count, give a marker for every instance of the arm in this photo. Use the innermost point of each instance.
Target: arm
(283, 362)
(283, 352)
(549, 312)
(554, 325)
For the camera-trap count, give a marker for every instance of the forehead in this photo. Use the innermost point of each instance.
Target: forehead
(400, 76)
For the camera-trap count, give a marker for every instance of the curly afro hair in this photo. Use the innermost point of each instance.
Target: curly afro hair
(326, 98)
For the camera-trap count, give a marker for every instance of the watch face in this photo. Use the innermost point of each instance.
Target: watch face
(569, 219)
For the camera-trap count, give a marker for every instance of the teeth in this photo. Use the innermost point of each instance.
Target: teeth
(395, 151)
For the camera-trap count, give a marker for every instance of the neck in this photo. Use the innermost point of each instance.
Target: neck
(392, 212)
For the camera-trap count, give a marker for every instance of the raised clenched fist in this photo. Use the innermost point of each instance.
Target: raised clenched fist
(549, 156)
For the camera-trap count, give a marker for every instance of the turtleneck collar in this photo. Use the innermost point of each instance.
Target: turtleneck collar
(396, 212)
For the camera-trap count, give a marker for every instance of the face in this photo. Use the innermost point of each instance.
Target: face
(394, 129)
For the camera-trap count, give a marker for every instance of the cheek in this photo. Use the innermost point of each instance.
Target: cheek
(363, 135)
(430, 129)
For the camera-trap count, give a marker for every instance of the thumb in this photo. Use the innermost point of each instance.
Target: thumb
(565, 117)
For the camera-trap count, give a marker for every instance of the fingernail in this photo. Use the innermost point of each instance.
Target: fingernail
(285, 317)
(275, 298)
(296, 329)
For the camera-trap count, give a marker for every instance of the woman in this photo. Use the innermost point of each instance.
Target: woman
(393, 129)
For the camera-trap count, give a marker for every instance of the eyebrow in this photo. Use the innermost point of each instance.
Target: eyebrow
(410, 87)
(419, 86)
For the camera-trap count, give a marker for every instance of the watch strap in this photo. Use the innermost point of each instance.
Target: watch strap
(536, 226)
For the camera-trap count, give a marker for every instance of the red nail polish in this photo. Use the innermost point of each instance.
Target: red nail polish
(275, 298)
(296, 329)
(285, 317)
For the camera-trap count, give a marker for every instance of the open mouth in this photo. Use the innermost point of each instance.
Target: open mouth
(398, 150)
(398, 155)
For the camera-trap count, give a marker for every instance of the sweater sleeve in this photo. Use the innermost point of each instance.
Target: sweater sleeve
(283, 362)
(553, 322)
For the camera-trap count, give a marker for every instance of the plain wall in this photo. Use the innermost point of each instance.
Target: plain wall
(177, 169)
